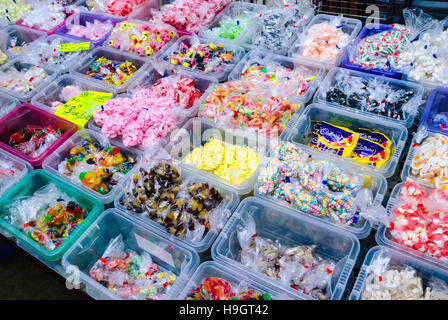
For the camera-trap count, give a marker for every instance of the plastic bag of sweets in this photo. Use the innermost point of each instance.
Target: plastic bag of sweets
(9, 171)
(298, 267)
(14, 10)
(22, 78)
(115, 7)
(385, 281)
(97, 167)
(33, 140)
(46, 15)
(131, 275)
(49, 216)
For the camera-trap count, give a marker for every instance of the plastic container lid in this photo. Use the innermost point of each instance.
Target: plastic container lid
(68, 15)
(367, 31)
(214, 269)
(375, 182)
(349, 26)
(398, 260)
(52, 162)
(53, 90)
(397, 133)
(291, 229)
(330, 81)
(7, 103)
(437, 103)
(20, 168)
(27, 114)
(27, 187)
(197, 132)
(167, 253)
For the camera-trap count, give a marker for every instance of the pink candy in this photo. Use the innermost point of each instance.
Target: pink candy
(92, 31)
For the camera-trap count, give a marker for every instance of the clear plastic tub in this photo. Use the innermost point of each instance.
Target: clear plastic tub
(114, 55)
(367, 31)
(330, 81)
(52, 92)
(349, 26)
(398, 134)
(197, 132)
(20, 168)
(51, 163)
(68, 15)
(303, 65)
(7, 103)
(23, 66)
(283, 224)
(18, 36)
(27, 114)
(230, 202)
(238, 278)
(233, 11)
(429, 86)
(399, 260)
(375, 182)
(384, 238)
(82, 19)
(27, 187)
(189, 40)
(82, 6)
(437, 103)
(167, 253)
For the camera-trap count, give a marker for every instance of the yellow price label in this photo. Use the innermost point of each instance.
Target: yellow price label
(70, 47)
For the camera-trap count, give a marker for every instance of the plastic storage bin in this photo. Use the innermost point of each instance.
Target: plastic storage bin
(68, 15)
(169, 254)
(27, 187)
(7, 103)
(18, 36)
(330, 80)
(376, 183)
(437, 103)
(82, 19)
(27, 114)
(52, 92)
(283, 224)
(397, 133)
(397, 260)
(24, 66)
(197, 132)
(20, 168)
(51, 163)
(428, 85)
(384, 237)
(114, 55)
(367, 31)
(231, 200)
(349, 26)
(303, 65)
(189, 40)
(235, 278)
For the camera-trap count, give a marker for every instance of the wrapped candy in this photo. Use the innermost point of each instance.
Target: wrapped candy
(385, 282)
(298, 267)
(34, 140)
(131, 275)
(111, 72)
(13, 10)
(48, 216)
(45, 16)
(97, 167)
(186, 208)
(230, 162)
(91, 31)
(22, 79)
(439, 121)
(141, 39)
(115, 7)
(213, 288)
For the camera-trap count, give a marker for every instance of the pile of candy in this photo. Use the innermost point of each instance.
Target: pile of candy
(439, 121)
(372, 96)
(315, 186)
(151, 114)
(190, 15)
(248, 105)
(22, 79)
(97, 167)
(45, 16)
(34, 140)
(111, 72)
(210, 58)
(115, 7)
(185, 208)
(8, 173)
(141, 39)
(381, 50)
(231, 27)
(420, 220)
(91, 31)
(13, 10)
(298, 267)
(362, 145)
(130, 275)
(65, 94)
(429, 162)
(49, 216)
(230, 162)
(385, 282)
(213, 288)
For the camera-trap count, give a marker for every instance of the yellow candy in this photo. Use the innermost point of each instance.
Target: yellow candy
(172, 278)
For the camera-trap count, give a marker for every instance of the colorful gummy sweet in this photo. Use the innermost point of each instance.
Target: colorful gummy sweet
(96, 167)
(34, 140)
(111, 72)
